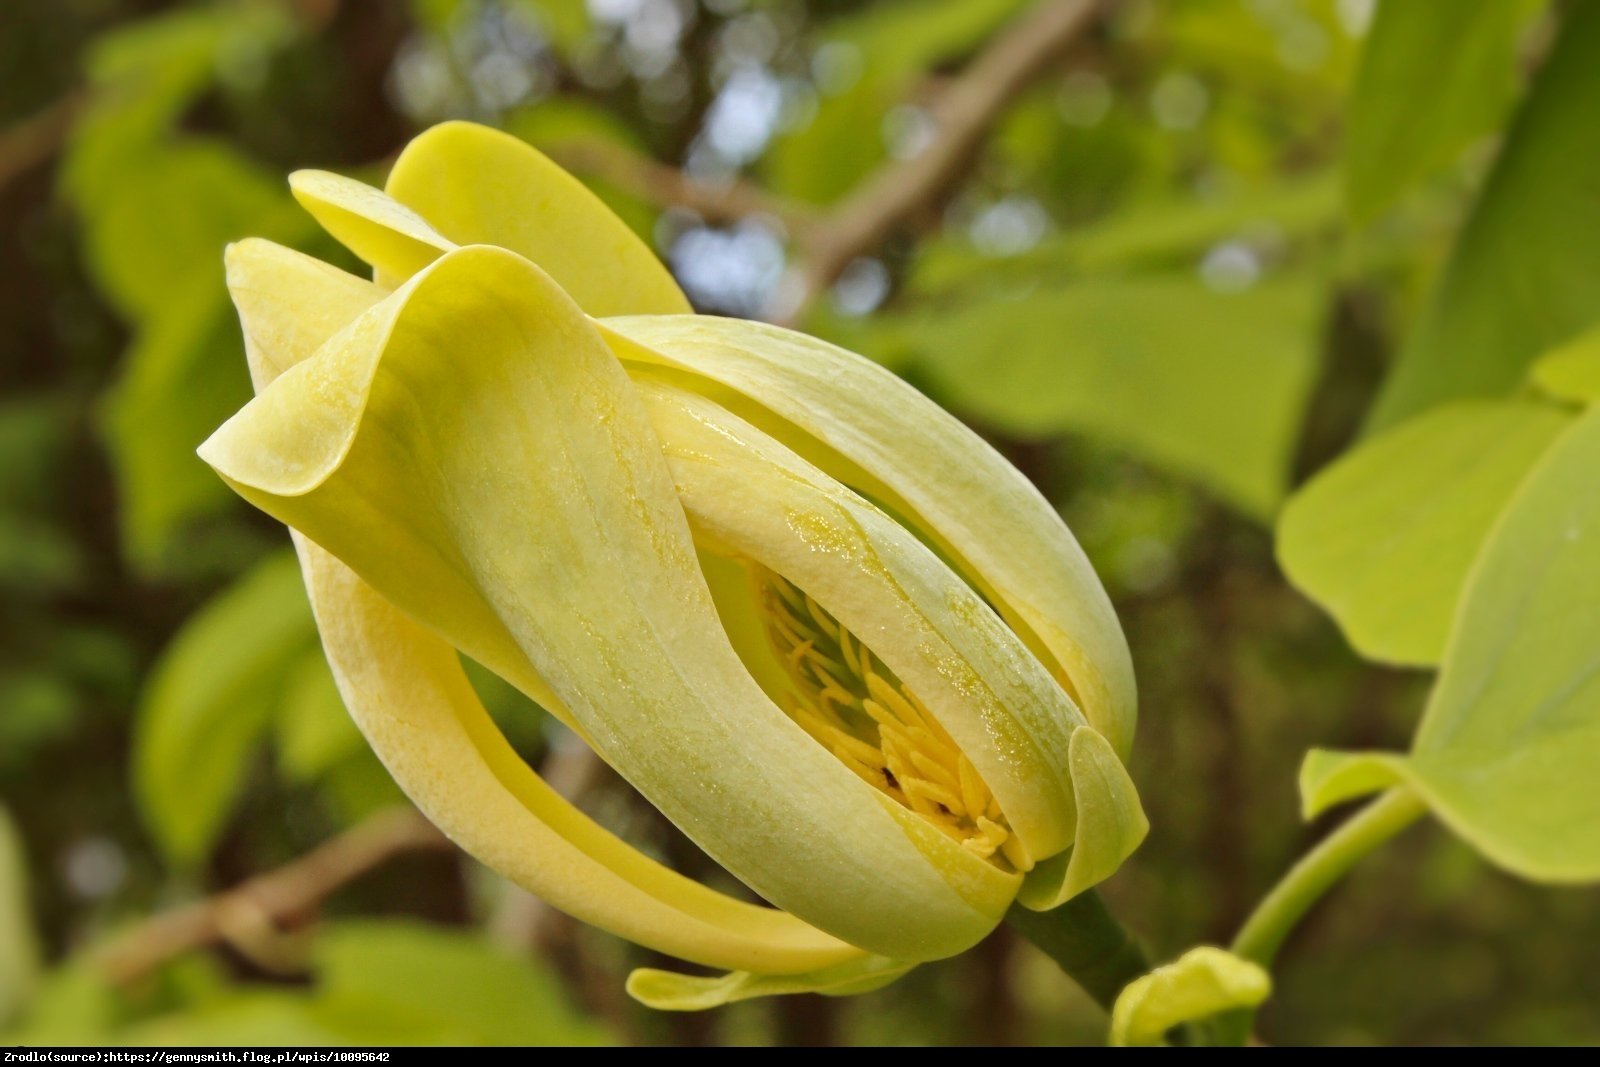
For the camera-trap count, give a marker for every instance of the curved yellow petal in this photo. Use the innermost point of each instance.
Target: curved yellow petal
(289, 303)
(392, 238)
(471, 448)
(667, 991)
(477, 185)
(1111, 825)
(744, 490)
(879, 435)
(405, 688)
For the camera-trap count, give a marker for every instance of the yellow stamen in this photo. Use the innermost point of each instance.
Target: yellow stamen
(852, 704)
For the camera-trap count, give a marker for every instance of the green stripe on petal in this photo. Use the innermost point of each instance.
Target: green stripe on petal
(876, 433)
(666, 991)
(480, 186)
(471, 448)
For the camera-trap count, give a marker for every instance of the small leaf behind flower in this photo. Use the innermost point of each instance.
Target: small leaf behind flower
(1201, 983)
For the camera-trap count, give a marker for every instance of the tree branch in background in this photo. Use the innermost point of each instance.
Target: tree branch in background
(666, 186)
(963, 113)
(261, 903)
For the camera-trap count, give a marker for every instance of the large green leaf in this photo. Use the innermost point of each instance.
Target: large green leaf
(1433, 77)
(1162, 235)
(1508, 746)
(1523, 277)
(1572, 370)
(209, 703)
(314, 731)
(156, 210)
(1383, 538)
(1211, 385)
(457, 985)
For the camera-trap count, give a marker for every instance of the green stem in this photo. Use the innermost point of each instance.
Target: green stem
(1318, 871)
(1087, 942)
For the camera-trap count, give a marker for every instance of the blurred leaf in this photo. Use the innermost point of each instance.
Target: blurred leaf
(145, 74)
(157, 209)
(1166, 234)
(74, 1005)
(257, 1018)
(566, 22)
(183, 375)
(38, 707)
(173, 208)
(891, 44)
(19, 948)
(1383, 538)
(210, 700)
(455, 983)
(357, 786)
(1572, 370)
(1521, 278)
(1432, 78)
(1211, 385)
(1201, 983)
(314, 732)
(1507, 748)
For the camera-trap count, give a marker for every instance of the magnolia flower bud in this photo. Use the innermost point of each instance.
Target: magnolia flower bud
(817, 622)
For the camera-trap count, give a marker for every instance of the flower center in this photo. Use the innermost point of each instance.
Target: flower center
(854, 706)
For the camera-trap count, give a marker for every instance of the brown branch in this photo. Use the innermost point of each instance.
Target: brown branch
(666, 186)
(963, 114)
(33, 140)
(268, 899)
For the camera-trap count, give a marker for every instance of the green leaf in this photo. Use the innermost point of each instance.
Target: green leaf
(157, 209)
(1201, 983)
(19, 948)
(210, 700)
(74, 1005)
(1164, 234)
(1383, 538)
(156, 246)
(455, 983)
(1508, 746)
(262, 1018)
(1210, 385)
(1572, 370)
(1521, 278)
(314, 732)
(893, 44)
(1433, 77)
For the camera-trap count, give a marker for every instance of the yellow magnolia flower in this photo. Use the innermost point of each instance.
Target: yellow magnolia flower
(818, 623)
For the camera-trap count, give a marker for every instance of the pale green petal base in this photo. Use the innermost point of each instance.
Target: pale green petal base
(1202, 983)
